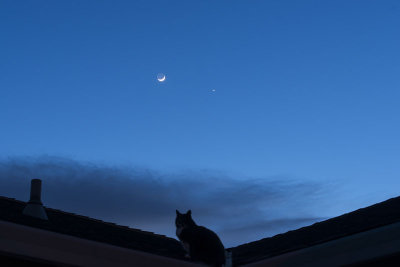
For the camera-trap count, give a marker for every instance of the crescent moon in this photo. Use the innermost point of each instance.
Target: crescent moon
(161, 79)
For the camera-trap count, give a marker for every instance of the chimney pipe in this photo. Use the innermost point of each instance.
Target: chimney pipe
(34, 207)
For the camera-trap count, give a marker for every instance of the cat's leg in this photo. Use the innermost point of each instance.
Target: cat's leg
(186, 247)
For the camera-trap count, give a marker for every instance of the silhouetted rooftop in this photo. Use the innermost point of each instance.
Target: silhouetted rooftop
(92, 229)
(361, 220)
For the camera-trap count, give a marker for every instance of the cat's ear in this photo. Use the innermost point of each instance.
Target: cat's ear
(189, 212)
(177, 212)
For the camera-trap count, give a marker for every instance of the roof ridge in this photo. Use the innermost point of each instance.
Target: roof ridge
(125, 227)
(363, 219)
(327, 220)
(13, 199)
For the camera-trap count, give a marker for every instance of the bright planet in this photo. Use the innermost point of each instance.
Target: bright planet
(161, 77)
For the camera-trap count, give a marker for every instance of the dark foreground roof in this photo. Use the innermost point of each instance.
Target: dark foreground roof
(92, 229)
(361, 220)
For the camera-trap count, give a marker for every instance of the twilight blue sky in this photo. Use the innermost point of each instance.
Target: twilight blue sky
(306, 91)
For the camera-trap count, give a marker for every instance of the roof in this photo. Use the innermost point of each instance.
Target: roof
(381, 214)
(361, 220)
(92, 229)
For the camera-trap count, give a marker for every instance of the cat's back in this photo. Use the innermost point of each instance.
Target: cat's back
(206, 245)
(203, 233)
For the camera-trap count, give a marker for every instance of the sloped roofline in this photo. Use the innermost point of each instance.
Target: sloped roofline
(358, 221)
(92, 229)
(361, 220)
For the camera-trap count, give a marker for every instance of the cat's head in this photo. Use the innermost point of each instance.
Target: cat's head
(184, 219)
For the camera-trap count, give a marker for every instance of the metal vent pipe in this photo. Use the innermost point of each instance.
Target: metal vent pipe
(35, 208)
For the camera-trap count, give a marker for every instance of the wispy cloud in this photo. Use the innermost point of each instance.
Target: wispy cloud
(240, 210)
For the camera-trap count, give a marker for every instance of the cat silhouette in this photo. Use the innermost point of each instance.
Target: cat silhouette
(200, 243)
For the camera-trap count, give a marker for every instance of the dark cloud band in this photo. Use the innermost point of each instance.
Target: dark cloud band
(236, 208)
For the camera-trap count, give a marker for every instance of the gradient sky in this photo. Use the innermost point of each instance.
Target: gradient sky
(305, 91)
